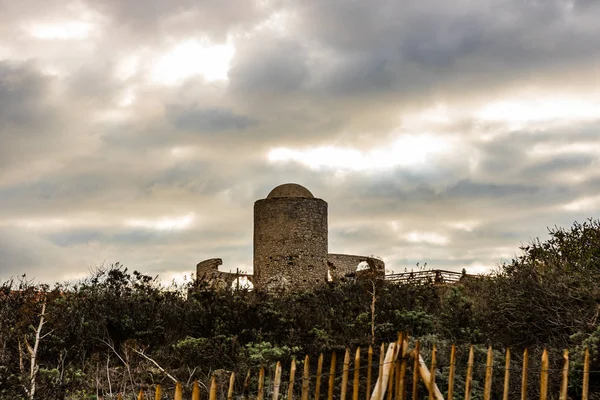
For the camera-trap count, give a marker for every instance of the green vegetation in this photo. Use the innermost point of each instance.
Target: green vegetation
(117, 330)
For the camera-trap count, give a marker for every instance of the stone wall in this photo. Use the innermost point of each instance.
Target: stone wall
(341, 265)
(290, 243)
(208, 271)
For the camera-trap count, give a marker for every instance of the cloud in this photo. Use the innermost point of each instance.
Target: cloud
(209, 120)
(23, 252)
(112, 113)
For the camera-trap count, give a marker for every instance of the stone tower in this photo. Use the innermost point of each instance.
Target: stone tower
(290, 239)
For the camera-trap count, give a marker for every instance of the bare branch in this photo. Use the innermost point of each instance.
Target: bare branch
(155, 363)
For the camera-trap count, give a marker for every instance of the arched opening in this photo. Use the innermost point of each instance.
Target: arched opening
(242, 282)
(362, 266)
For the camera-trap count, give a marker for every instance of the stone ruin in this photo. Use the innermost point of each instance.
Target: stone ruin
(291, 247)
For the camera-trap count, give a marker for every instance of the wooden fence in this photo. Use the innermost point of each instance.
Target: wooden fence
(435, 276)
(393, 381)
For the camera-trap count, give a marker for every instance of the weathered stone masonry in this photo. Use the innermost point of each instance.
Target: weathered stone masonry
(291, 246)
(208, 271)
(341, 265)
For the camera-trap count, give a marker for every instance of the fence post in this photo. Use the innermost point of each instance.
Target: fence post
(400, 349)
(525, 371)
(586, 375)
(261, 384)
(141, 395)
(319, 373)
(426, 377)
(379, 382)
(544, 376)
(345, 372)
(469, 377)
(385, 367)
(401, 384)
(306, 378)
(392, 369)
(331, 376)
(230, 390)
(158, 393)
(356, 385)
(277, 383)
(213, 388)
(290, 395)
(565, 376)
(196, 391)
(506, 375)
(415, 388)
(489, 365)
(246, 388)
(369, 372)
(179, 391)
(431, 385)
(451, 373)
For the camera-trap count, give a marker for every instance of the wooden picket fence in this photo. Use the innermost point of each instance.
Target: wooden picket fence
(392, 381)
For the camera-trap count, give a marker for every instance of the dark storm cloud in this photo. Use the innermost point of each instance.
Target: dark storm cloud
(274, 68)
(180, 17)
(209, 120)
(24, 98)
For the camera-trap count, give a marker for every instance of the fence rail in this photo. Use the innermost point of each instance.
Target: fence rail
(393, 381)
(436, 276)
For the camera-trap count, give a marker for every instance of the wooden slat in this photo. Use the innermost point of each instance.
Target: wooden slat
(379, 383)
(506, 374)
(318, 380)
(431, 386)
(564, 383)
(246, 387)
(384, 376)
(469, 377)
(306, 378)
(426, 378)
(544, 376)
(261, 384)
(331, 376)
(277, 381)
(369, 372)
(401, 385)
(586, 375)
(392, 371)
(213, 388)
(415, 387)
(451, 373)
(399, 365)
(345, 372)
(158, 393)
(290, 393)
(489, 365)
(524, 377)
(230, 389)
(356, 385)
(196, 391)
(179, 391)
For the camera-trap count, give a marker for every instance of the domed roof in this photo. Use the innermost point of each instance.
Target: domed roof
(290, 190)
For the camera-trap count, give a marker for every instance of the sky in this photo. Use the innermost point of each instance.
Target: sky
(446, 133)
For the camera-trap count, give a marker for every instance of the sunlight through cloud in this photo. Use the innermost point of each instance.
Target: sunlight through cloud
(540, 110)
(163, 224)
(427, 237)
(191, 58)
(406, 151)
(60, 31)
